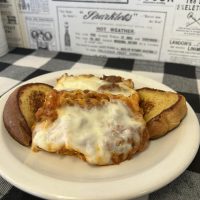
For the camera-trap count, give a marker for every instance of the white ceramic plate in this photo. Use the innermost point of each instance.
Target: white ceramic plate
(63, 177)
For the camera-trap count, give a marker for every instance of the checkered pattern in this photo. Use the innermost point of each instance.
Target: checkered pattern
(23, 64)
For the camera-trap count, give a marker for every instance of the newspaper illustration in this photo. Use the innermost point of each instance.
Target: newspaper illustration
(160, 30)
(67, 40)
(184, 44)
(41, 33)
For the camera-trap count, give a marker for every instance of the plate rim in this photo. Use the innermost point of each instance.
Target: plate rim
(130, 195)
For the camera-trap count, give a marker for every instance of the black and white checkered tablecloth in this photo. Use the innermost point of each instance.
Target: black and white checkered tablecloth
(23, 64)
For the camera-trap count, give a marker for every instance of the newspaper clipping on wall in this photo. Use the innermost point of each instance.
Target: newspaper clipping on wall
(159, 30)
(3, 41)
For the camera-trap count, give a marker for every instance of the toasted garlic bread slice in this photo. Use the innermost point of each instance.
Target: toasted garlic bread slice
(105, 84)
(99, 128)
(20, 108)
(163, 111)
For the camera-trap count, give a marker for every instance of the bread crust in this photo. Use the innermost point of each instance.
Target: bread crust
(14, 119)
(168, 119)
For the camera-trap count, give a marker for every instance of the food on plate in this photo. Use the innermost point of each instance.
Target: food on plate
(19, 110)
(157, 119)
(163, 111)
(99, 128)
(102, 120)
(112, 84)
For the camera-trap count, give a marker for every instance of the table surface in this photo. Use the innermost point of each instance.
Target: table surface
(22, 64)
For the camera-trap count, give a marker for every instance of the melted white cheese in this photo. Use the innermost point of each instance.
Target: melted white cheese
(90, 83)
(82, 83)
(94, 133)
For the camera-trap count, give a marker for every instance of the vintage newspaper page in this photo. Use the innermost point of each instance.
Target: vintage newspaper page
(12, 23)
(160, 30)
(3, 41)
